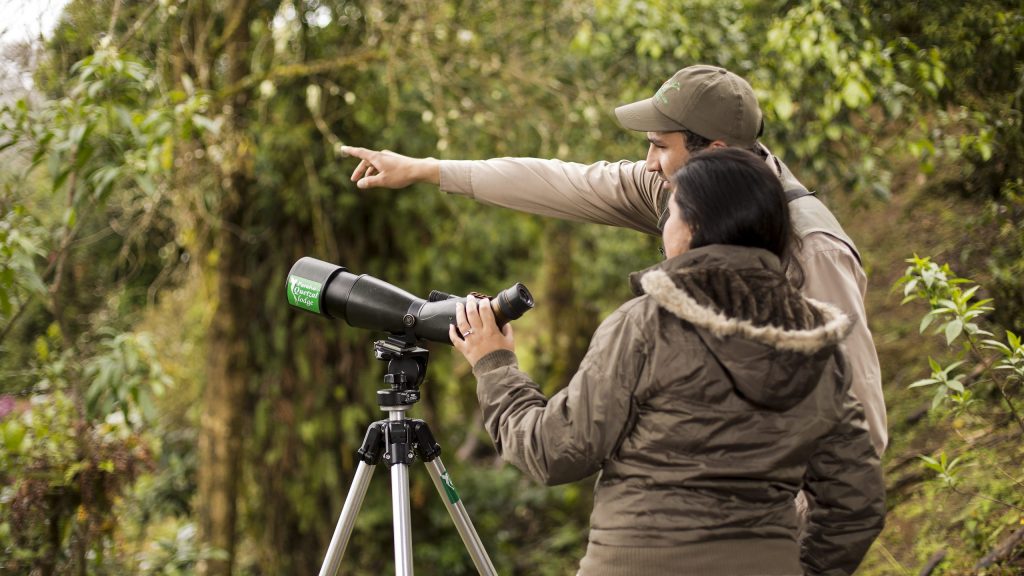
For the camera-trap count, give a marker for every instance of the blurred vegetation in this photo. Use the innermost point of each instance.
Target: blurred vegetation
(163, 411)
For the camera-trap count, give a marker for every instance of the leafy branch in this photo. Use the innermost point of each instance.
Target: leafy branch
(955, 313)
(948, 471)
(110, 131)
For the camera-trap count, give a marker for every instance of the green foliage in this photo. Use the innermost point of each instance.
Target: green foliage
(125, 376)
(83, 426)
(947, 386)
(956, 312)
(972, 131)
(21, 237)
(946, 469)
(988, 371)
(61, 477)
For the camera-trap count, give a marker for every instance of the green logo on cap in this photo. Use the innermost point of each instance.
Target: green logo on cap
(304, 294)
(669, 85)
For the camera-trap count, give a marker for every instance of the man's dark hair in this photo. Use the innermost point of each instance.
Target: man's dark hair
(730, 196)
(694, 142)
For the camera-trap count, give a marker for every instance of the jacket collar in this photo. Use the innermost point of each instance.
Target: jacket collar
(657, 282)
(714, 255)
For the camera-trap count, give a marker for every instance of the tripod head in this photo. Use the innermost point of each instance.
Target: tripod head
(407, 367)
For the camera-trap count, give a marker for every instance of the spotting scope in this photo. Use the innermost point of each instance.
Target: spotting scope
(367, 302)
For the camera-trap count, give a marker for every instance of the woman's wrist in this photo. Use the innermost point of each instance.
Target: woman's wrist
(494, 360)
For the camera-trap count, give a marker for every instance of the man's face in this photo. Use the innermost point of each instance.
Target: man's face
(667, 153)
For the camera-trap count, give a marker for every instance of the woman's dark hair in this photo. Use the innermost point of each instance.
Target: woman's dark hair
(730, 196)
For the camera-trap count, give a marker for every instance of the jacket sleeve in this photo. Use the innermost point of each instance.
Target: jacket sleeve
(846, 498)
(568, 437)
(621, 193)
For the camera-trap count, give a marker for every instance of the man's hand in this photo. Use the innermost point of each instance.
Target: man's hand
(385, 169)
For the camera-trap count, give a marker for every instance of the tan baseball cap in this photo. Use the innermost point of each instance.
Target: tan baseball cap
(706, 100)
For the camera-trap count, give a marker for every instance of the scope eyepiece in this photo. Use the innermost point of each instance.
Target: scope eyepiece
(367, 302)
(511, 303)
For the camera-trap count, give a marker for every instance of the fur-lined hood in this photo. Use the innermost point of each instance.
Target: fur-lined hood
(772, 341)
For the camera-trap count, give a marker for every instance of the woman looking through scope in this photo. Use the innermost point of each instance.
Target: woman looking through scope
(707, 402)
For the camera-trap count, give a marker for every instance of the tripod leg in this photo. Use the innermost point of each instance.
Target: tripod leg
(460, 517)
(402, 519)
(347, 521)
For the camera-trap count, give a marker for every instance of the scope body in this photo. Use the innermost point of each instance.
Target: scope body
(367, 302)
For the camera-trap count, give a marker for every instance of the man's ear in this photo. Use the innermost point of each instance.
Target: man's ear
(718, 144)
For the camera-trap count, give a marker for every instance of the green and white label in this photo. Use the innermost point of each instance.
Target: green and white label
(449, 487)
(304, 293)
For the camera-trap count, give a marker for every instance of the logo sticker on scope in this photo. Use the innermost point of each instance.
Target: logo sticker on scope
(304, 294)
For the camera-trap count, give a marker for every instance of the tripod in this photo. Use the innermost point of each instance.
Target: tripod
(398, 441)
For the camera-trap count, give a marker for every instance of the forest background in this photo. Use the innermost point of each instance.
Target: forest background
(162, 165)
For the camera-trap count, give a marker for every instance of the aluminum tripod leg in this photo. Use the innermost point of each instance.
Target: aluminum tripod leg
(400, 509)
(460, 517)
(347, 521)
(401, 516)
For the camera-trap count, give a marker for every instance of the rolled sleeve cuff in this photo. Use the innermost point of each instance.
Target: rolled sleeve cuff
(495, 360)
(456, 177)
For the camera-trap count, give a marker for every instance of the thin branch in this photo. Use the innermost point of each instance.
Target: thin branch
(114, 13)
(235, 20)
(892, 559)
(57, 266)
(302, 70)
(1003, 550)
(991, 376)
(14, 320)
(983, 497)
(1010, 477)
(933, 563)
(137, 25)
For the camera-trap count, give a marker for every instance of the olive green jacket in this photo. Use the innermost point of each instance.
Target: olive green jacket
(706, 404)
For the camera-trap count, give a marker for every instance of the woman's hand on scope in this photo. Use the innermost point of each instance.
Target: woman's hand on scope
(386, 169)
(480, 333)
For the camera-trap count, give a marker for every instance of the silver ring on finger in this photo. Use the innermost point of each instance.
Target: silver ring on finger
(467, 332)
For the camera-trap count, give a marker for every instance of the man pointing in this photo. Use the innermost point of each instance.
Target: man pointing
(698, 107)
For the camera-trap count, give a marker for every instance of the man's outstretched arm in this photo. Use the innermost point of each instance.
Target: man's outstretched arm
(621, 194)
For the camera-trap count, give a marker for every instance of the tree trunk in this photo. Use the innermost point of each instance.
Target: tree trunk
(228, 362)
(567, 324)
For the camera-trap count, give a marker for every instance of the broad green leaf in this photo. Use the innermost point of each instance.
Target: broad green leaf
(926, 321)
(952, 366)
(953, 329)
